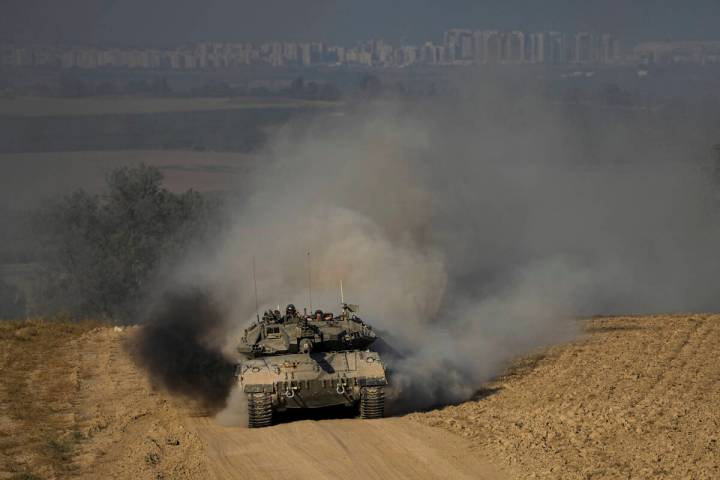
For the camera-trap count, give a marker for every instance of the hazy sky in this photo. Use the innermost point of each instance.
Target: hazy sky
(344, 21)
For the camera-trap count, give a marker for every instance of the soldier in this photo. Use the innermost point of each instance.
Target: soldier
(318, 315)
(290, 312)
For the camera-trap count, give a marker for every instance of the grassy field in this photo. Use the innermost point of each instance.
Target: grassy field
(137, 123)
(26, 178)
(48, 106)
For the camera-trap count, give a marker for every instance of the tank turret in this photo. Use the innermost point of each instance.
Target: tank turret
(318, 332)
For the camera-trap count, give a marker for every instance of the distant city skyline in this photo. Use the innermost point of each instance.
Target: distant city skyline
(171, 22)
(457, 47)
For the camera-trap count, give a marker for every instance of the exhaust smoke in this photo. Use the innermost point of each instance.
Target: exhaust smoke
(178, 347)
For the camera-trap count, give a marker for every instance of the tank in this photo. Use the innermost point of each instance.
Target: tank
(310, 361)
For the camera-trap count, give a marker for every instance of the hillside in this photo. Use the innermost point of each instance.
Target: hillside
(636, 397)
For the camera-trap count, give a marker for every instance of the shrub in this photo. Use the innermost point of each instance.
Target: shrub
(101, 252)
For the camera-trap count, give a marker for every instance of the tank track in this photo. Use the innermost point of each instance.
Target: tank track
(372, 402)
(259, 410)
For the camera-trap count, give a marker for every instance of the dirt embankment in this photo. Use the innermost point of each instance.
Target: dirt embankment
(73, 404)
(637, 397)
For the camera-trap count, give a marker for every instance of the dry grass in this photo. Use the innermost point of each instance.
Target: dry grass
(73, 404)
(37, 390)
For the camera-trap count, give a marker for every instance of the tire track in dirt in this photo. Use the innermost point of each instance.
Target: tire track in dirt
(133, 429)
(353, 449)
(636, 398)
(671, 360)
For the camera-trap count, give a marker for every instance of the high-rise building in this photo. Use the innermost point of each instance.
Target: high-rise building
(466, 46)
(427, 54)
(408, 55)
(478, 47)
(556, 50)
(535, 48)
(492, 46)
(609, 49)
(458, 44)
(336, 55)
(290, 52)
(317, 51)
(459, 47)
(582, 48)
(515, 48)
(305, 54)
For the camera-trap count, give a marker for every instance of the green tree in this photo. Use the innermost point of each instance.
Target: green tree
(103, 251)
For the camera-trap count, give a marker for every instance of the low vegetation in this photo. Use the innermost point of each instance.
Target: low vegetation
(38, 431)
(102, 252)
(99, 255)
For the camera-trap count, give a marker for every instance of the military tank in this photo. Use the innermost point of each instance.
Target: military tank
(310, 361)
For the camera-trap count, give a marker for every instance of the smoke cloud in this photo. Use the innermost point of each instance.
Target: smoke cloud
(179, 347)
(469, 231)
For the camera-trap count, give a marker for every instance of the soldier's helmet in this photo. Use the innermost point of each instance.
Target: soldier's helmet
(290, 310)
(318, 314)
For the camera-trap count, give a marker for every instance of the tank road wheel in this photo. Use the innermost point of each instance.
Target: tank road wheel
(259, 410)
(372, 402)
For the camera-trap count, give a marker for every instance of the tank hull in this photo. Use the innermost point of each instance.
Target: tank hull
(312, 380)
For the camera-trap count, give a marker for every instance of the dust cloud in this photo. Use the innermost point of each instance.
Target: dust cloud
(234, 414)
(470, 231)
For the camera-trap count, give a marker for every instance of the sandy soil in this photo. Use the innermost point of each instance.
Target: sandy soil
(73, 405)
(637, 397)
(330, 449)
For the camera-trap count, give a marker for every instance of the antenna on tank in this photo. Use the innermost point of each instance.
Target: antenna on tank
(345, 309)
(309, 281)
(257, 309)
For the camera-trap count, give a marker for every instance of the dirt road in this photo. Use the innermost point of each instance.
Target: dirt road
(331, 449)
(95, 415)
